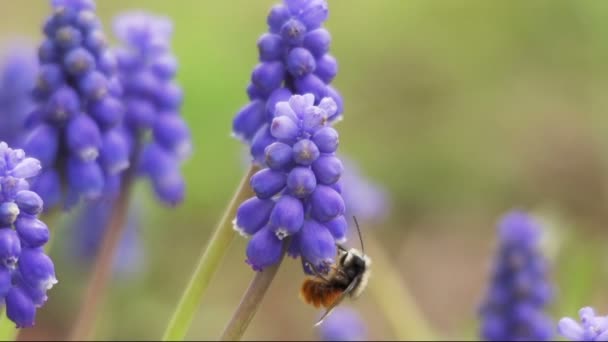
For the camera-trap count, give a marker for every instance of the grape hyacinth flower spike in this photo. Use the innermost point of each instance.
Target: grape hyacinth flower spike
(344, 324)
(26, 272)
(296, 195)
(153, 101)
(294, 58)
(17, 78)
(75, 125)
(591, 328)
(519, 292)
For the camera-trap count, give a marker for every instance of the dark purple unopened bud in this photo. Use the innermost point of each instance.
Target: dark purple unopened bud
(93, 85)
(169, 95)
(287, 216)
(42, 143)
(301, 182)
(84, 138)
(327, 68)
(328, 169)
(326, 139)
(164, 66)
(305, 152)
(249, 120)
(107, 112)
(96, 42)
(293, 32)
(317, 245)
(86, 178)
(8, 213)
(37, 269)
(114, 155)
(68, 37)
(270, 47)
(10, 247)
(264, 249)
(317, 42)
(29, 202)
(47, 52)
(48, 186)
(50, 77)
(172, 133)
(278, 155)
(79, 61)
(140, 113)
(268, 76)
(162, 169)
(62, 105)
(267, 183)
(277, 17)
(260, 141)
(338, 227)
(20, 308)
(326, 203)
(300, 62)
(33, 232)
(252, 215)
(311, 84)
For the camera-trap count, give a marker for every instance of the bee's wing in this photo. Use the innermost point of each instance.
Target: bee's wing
(338, 300)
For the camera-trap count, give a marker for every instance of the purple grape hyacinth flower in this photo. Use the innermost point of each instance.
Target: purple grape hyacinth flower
(519, 292)
(75, 125)
(85, 243)
(344, 324)
(296, 195)
(26, 272)
(293, 59)
(153, 100)
(17, 78)
(591, 328)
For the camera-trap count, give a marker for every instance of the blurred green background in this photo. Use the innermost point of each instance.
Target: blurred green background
(462, 110)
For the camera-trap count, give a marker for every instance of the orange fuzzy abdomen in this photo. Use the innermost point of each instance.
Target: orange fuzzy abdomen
(319, 293)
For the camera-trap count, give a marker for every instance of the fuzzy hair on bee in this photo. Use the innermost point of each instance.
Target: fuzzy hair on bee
(347, 277)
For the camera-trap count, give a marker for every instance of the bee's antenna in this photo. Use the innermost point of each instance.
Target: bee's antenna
(359, 232)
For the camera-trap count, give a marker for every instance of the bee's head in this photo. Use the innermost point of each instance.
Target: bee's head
(354, 258)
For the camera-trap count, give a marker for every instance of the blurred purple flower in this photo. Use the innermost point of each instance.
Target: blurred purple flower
(295, 194)
(17, 78)
(591, 328)
(294, 59)
(74, 127)
(153, 100)
(519, 293)
(344, 324)
(26, 272)
(85, 243)
(364, 199)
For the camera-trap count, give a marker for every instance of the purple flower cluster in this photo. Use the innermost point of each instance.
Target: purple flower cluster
(514, 305)
(297, 194)
(593, 327)
(26, 272)
(344, 324)
(75, 127)
(17, 78)
(152, 101)
(294, 59)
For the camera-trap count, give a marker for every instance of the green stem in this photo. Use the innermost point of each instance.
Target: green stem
(208, 263)
(251, 301)
(102, 269)
(392, 295)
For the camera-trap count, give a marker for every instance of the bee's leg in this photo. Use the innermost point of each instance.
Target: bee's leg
(314, 270)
